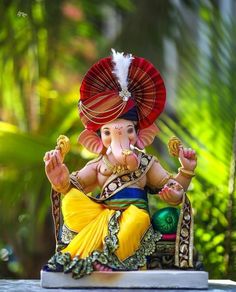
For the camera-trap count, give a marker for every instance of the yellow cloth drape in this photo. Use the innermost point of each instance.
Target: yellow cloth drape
(90, 220)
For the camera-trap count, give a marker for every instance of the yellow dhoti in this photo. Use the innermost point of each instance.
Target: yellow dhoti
(90, 220)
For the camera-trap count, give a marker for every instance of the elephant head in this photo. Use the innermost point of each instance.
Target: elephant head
(116, 138)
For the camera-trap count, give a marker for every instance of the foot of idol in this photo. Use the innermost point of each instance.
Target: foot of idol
(101, 268)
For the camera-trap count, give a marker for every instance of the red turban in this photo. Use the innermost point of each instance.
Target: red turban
(101, 95)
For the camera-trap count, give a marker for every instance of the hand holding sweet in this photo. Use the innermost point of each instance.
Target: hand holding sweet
(56, 171)
(187, 158)
(172, 193)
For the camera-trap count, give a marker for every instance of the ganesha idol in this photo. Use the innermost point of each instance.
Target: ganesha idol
(121, 97)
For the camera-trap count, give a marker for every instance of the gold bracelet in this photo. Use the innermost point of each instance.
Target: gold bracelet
(186, 173)
(63, 189)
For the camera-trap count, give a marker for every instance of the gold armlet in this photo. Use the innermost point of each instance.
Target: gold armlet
(80, 183)
(186, 173)
(165, 179)
(77, 181)
(62, 189)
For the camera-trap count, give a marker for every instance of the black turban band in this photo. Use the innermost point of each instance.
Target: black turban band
(131, 115)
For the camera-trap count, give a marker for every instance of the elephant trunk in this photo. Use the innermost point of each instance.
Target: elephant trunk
(119, 150)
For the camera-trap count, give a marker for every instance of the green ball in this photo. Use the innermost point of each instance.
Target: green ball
(166, 220)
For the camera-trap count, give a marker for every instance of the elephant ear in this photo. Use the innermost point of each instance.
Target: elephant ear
(91, 141)
(146, 136)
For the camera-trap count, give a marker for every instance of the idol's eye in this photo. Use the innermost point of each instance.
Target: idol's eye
(106, 133)
(130, 130)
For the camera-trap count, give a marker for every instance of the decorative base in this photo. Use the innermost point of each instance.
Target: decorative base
(171, 279)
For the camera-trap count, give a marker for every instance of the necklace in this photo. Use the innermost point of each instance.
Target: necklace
(114, 168)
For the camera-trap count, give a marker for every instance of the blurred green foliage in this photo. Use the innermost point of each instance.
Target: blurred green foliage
(47, 46)
(206, 113)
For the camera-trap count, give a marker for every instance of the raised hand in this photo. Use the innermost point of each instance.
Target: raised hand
(187, 158)
(56, 171)
(171, 193)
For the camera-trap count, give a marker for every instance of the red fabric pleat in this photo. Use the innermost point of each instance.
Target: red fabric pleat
(99, 94)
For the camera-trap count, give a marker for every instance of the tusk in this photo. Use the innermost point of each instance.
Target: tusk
(109, 150)
(132, 147)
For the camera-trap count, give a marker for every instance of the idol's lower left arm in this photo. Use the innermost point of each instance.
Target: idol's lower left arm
(184, 178)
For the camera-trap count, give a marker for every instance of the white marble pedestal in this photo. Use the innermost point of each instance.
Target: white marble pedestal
(168, 279)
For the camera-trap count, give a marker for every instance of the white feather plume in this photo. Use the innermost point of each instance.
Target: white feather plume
(121, 67)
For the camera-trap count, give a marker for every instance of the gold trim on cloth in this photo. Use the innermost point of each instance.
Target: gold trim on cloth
(113, 185)
(118, 182)
(76, 181)
(184, 236)
(56, 210)
(114, 176)
(67, 234)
